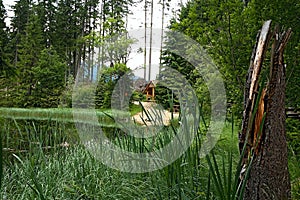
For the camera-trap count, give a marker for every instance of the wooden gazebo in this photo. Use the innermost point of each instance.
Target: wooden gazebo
(150, 90)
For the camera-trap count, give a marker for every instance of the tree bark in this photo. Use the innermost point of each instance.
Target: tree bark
(263, 127)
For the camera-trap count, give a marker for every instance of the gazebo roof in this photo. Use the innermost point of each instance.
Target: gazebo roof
(151, 84)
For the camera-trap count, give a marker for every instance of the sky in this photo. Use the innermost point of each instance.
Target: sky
(136, 29)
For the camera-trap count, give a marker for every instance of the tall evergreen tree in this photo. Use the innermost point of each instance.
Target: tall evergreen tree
(46, 11)
(29, 49)
(4, 40)
(18, 23)
(73, 23)
(94, 12)
(66, 33)
(89, 26)
(6, 70)
(115, 11)
(49, 79)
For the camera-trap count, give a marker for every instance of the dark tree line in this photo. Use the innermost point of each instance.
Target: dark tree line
(57, 36)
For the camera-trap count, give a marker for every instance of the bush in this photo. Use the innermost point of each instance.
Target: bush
(293, 136)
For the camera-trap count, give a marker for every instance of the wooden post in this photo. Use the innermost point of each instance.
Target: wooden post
(153, 94)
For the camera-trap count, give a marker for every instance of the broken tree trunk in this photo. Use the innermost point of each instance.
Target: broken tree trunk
(263, 126)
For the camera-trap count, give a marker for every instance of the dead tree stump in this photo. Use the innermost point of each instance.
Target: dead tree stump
(263, 126)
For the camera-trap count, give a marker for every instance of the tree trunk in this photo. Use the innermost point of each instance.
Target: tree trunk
(162, 33)
(145, 41)
(151, 38)
(263, 127)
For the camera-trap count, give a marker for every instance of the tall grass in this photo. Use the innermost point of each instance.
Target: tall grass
(71, 172)
(64, 115)
(226, 174)
(1, 158)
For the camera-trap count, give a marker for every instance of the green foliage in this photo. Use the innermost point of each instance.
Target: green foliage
(134, 109)
(107, 82)
(21, 15)
(163, 96)
(1, 157)
(48, 167)
(46, 10)
(22, 11)
(63, 115)
(285, 15)
(62, 27)
(227, 30)
(66, 96)
(83, 95)
(40, 71)
(50, 79)
(225, 166)
(50, 41)
(293, 139)
(4, 59)
(6, 69)
(72, 20)
(69, 172)
(137, 96)
(29, 51)
(293, 136)
(113, 15)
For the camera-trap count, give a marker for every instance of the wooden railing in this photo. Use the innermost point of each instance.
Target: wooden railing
(292, 113)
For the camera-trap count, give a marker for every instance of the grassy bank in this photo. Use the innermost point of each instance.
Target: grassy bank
(42, 167)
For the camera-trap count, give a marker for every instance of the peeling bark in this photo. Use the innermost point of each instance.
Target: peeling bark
(263, 127)
(251, 87)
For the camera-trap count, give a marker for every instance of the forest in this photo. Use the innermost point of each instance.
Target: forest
(64, 72)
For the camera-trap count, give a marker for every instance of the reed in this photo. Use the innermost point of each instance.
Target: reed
(71, 172)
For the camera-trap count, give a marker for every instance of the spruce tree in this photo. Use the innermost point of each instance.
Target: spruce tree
(49, 79)
(46, 10)
(29, 49)
(6, 71)
(18, 24)
(63, 37)
(72, 24)
(4, 40)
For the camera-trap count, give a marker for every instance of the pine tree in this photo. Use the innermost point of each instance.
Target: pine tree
(18, 23)
(49, 79)
(6, 70)
(74, 20)
(29, 49)
(46, 10)
(4, 40)
(66, 34)
(89, 24)
(93, 25)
